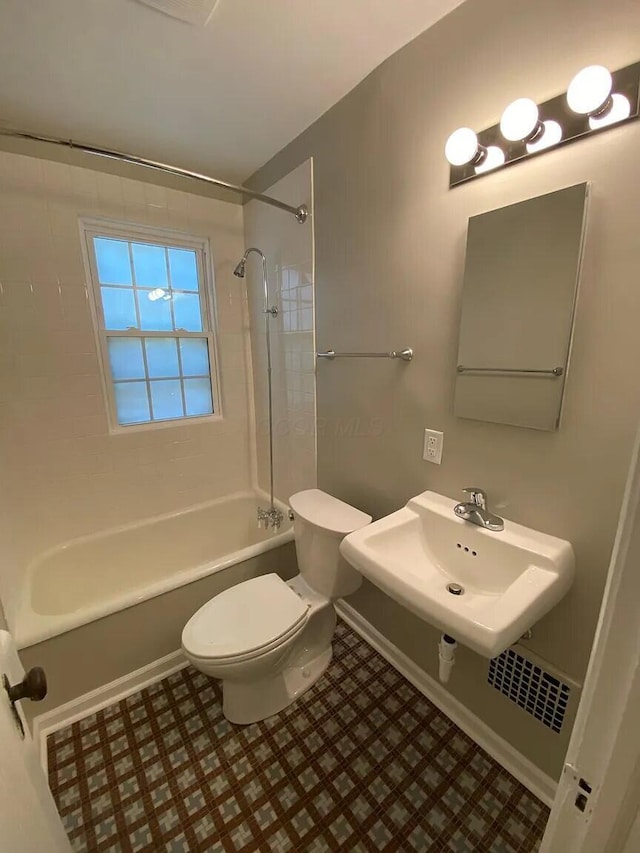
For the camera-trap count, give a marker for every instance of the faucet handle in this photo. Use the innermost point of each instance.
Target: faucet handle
(477, 496)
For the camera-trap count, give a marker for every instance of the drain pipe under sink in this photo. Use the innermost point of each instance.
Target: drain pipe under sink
(447, 656)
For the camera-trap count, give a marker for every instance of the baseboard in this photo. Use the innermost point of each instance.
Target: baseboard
(102, 697)
(540, 785)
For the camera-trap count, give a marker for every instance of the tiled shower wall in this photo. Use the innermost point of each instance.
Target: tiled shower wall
(288, 247)
(63, 474)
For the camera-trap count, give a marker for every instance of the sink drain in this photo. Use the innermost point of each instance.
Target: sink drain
(455, 589)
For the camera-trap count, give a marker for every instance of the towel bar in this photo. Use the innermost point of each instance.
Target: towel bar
(404, 354)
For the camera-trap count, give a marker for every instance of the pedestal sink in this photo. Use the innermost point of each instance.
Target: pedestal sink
(483, 588)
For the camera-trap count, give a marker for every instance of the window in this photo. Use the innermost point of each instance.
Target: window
(153, 317)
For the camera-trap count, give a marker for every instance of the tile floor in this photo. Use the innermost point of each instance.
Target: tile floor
(363, 762)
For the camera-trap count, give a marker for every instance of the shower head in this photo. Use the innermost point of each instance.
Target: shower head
(239, 271)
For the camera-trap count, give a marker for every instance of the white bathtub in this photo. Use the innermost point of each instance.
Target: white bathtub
(87, 578)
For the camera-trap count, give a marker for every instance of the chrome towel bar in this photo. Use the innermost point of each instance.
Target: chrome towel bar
(404, 354)
(556, 371)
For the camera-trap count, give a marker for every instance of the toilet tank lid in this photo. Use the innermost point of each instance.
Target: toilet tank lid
(327, 512)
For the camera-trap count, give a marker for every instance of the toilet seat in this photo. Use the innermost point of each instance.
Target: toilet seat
(248, 656)
(245, 621)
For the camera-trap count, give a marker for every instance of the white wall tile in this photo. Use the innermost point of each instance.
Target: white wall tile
(64, 474)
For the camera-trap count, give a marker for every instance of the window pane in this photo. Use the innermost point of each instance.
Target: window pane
(162, 357)
(186, 308)
(125, 356)
(153, 288)
(194, 353)
(150, 265)
(119, 308)
(166, 399)
(155, 313)
(112, 259)
(184, 270)
(132, 402)
(197, 395)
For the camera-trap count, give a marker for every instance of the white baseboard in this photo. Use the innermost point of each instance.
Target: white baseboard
(540, 785)
(102, 697)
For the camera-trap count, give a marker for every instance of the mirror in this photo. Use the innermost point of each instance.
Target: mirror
(520, 286)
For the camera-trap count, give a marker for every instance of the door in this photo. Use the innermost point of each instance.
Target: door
(596, 807)
(29, 822)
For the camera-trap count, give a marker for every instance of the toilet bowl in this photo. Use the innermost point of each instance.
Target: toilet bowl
(269, 640)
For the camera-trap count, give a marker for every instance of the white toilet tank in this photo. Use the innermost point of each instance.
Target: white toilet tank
(320, 523)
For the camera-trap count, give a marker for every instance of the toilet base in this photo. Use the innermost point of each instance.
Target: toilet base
(253, 701)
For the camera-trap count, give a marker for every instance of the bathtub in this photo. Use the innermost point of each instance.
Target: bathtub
(87, 578)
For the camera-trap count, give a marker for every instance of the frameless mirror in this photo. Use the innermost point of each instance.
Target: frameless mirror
(520, 285)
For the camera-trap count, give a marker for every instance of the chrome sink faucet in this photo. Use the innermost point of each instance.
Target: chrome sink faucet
(475, 510)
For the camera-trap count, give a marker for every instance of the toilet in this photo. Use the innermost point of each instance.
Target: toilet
(269, 640)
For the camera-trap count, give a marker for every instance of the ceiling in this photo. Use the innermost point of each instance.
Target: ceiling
(222, 98)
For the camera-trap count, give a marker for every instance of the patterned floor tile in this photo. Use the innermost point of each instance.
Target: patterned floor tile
(363, 762)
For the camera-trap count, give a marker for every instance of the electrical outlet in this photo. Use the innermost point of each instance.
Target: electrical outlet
(432, 450)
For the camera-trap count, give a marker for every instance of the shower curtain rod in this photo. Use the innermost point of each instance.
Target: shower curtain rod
(301, 213)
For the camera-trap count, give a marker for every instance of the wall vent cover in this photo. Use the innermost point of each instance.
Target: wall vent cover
(192, 11)
(532, 688)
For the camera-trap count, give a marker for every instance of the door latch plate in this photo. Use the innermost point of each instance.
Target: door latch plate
(16, 716)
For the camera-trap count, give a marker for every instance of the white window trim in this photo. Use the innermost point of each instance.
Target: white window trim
(90, 228)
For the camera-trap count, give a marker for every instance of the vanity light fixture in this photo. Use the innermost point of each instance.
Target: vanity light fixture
(462, 148)
(590, 93)
(493, 159)
(551, 136)
(620, 110)
(595, 100)
(520, 121)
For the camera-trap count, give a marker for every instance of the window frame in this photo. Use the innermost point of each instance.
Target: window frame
(137, 233)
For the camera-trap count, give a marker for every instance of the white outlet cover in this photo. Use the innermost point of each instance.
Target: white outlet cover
(432, 448)
(192, 11)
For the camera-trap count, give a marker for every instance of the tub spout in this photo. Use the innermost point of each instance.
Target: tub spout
(447, 657)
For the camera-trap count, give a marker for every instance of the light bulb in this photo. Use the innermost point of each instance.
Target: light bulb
(462, 147)
(551, 136)
(620, 109)
(494, 158)
(589, 91)
(520, 121)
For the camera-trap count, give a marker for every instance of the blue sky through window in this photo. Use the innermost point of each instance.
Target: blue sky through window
(153, 288)
(112, 259)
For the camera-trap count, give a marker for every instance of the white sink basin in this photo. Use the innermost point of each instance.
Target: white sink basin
(510, 578)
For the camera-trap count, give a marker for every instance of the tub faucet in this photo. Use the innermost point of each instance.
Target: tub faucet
(475, 510)
(269, 518)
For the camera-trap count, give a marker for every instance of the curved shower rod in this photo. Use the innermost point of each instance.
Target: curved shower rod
(301, 213)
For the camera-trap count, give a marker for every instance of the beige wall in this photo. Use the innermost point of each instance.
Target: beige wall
(390, 240)
(136, 636)
(64, 474)
(288, 247)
